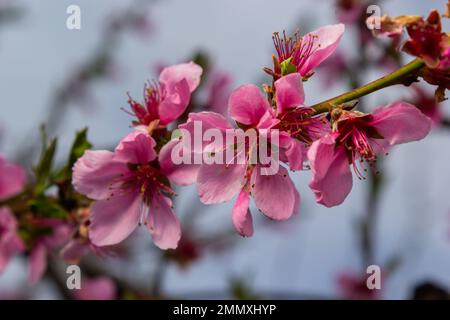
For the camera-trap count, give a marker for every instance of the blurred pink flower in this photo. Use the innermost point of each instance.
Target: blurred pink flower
(334, 69)
(358, 137)
(101, 288)
(128, 191)
(75, 249)
(354, 287)
(166, 100)
(427, 103)
(189, 250)
(10, 242)
(12, 179)
(52, 233)
(80, 244)
(218, 91)
(350, 11)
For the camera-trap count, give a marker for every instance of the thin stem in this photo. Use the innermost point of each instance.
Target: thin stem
(396, 77)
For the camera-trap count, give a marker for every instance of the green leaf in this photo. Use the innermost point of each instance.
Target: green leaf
(45, 208)
(44, 167)
(79, 146)
(287, 67)
(240, 290)
(202, 59)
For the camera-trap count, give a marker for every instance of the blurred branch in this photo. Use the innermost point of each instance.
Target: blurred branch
(9, 13)
(445, 123)
(93, 69)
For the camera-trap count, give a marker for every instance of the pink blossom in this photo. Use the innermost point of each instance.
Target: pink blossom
(189, 250)
(354, 287)
(129, 190)
(333, 69)
(10, 242)
(350, 11)
(167, 99)
(75, 249)
(359, 138)
(275, 195)
(427, 103)
(307, 52)
(52, 233)
(294, 121)
(218, 91)
(100, 288)
(12, 179)
(80, 244)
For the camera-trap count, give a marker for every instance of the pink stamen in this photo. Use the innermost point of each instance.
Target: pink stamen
(295, 47)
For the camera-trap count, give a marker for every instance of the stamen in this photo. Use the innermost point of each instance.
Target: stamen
(300, 125)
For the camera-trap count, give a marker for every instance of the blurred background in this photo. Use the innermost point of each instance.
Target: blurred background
(71, 79)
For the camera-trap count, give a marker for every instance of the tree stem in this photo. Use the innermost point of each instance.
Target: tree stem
(396, 77)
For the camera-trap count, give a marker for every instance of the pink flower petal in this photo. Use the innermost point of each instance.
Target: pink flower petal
(332, 179)
(10, 242)
(217, 183)
(289, 92)
(274, 194)
(242, 217)
(198, 123)
(38, 262)
(209, 120)
(218, 91)
(115, 219)
(60, 234)
(268, 120)
(177, 83)
(190, 72)
(325, 41)
(12, 179)
(93, 173)
(137, 148)
(401, 122)
(175, 101)
(101, 288)
(247, 105)
(74, 251)
(181, 174)
(294, 154)
(163, 224)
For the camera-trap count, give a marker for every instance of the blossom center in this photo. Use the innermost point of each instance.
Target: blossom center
(148, 111)
(299, 124)
(358, 138)
(298, 48)
(142, 178)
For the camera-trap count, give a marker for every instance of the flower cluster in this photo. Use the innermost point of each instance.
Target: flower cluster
(132, 185)
(427, 41)
(103, 196)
